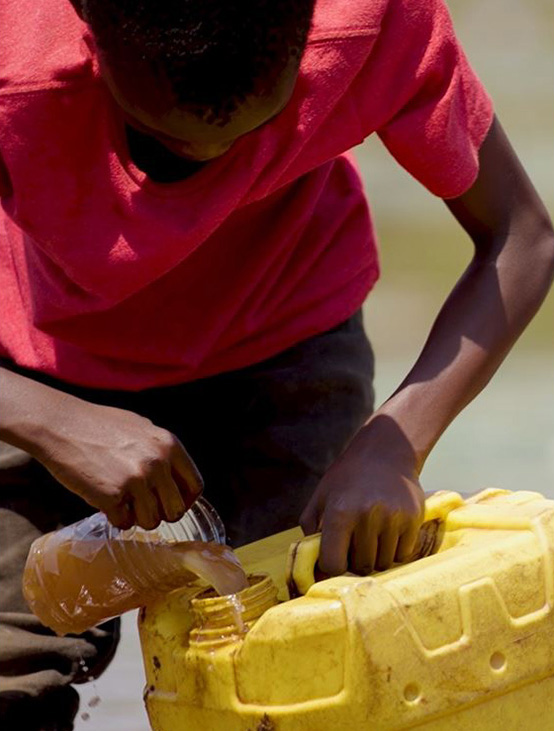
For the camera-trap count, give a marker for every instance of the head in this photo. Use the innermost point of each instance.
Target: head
(199, 74)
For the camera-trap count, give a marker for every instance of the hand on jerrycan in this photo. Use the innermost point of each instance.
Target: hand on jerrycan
(369, 505)
(302, 562)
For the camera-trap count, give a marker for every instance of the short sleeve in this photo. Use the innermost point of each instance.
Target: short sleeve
(432, 110)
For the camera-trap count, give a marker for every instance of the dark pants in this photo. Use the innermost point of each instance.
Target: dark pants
(262, 438)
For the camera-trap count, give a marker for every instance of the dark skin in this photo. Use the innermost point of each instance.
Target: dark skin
(369, 505)
(148, 105)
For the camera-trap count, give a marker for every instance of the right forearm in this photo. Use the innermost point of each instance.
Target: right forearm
(29, 411)
(117, 461)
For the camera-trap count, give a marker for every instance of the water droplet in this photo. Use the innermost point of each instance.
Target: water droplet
(237, 609)
(84, 666)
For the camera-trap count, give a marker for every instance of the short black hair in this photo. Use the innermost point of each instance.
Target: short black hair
(214, 53)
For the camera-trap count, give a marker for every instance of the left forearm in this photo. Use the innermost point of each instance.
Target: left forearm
(489, 308)
(369, 505)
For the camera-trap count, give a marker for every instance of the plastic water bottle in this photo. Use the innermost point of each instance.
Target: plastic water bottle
(90, 571)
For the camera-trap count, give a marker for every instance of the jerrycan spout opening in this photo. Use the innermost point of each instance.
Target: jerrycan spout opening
(220, 620)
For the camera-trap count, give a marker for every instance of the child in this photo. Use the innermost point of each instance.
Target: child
(185, 247)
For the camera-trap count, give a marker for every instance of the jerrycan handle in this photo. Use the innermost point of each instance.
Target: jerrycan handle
(302, 558)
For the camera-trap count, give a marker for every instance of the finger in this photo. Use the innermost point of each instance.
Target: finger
(310, 518)
(146, 507)
(171, 504)
(386, 550)
(185, 473)
(407, 543)
(363, 549)
(336, 533)
(122, 516)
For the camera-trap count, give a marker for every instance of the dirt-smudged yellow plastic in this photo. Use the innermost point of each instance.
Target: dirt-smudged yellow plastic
(457, 641)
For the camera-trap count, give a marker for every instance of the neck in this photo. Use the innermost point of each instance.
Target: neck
(161, 165)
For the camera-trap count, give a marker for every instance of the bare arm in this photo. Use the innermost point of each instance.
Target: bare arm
(502, 289)
(118, 461)
(369, 504)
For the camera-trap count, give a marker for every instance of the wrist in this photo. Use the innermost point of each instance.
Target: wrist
(30, 413)
(384, 437)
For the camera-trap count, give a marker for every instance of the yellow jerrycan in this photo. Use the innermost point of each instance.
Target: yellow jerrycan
(460, 640)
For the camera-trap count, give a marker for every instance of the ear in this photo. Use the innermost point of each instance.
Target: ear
(79, 9)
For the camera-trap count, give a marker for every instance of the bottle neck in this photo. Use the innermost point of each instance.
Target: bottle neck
(200, 523)
(221, 620)
(206, 522)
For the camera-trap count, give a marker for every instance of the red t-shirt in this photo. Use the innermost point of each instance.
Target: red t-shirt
(109, 279)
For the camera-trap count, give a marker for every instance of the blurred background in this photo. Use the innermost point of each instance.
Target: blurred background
(506, 437)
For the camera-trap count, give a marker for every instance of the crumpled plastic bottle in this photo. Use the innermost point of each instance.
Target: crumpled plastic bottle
(90, 571)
